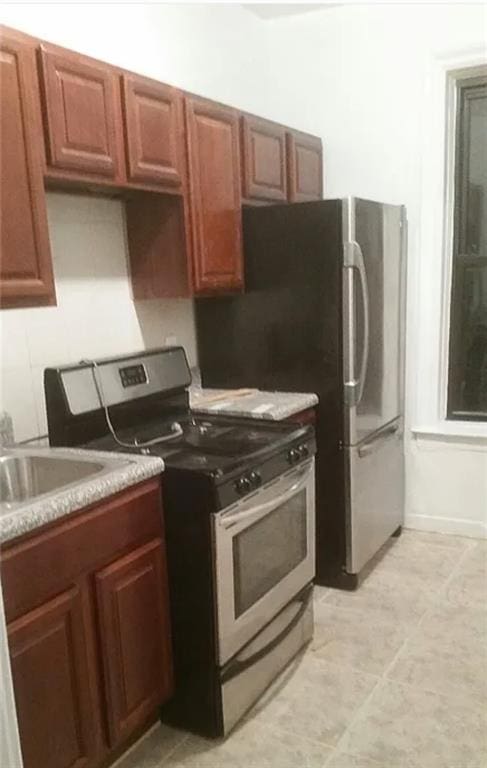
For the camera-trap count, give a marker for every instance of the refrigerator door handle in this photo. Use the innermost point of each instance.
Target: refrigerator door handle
(374, 444)
(354, 261)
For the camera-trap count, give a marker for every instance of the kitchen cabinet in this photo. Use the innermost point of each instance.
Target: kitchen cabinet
(26, 277)
(154, 132)
(132, 608)
(86, 603)
(305, 167)
(264, 172)
(215, 195)
(83, 119)
(52, 682)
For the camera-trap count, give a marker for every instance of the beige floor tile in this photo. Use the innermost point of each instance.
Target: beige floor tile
(468, 585)
(153, 749)
(319, 593)
(447, 654)
(405, 726)
(390, 594)
(352, 638)
(321, 699)
(251, 746)
(445, 540)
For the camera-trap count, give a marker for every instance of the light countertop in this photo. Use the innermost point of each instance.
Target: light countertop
(120, 471)
(251, 403)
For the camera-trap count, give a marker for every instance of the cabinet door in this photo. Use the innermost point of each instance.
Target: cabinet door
(133, 616)
(214, 173)
(52, 678)
(305, 167)
(83, 114)
(154, 128)
(25, 260)
(264, 159)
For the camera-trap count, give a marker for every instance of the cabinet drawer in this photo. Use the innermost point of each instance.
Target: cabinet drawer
(56, 557)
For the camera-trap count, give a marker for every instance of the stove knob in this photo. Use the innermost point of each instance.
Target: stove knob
(255, 479)
(242, 486)
(293, 456)
(303, 451)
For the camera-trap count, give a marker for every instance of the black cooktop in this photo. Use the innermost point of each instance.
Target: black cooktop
(217, 445)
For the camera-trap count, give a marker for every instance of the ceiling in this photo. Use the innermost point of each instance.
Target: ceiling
(273, 10)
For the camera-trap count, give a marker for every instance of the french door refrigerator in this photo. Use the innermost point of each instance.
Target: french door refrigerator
(323, 311)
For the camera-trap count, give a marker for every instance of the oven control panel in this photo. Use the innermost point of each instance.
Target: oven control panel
(131, 375)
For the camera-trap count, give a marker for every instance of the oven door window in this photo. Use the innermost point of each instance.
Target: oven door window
(265, 552)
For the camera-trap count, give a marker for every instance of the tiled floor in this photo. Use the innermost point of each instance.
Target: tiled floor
(396, 676)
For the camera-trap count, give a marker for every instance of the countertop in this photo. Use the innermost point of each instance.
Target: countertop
(122, 471)
(254, 404)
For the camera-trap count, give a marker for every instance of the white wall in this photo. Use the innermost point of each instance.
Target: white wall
(359, 76)
(218, 51)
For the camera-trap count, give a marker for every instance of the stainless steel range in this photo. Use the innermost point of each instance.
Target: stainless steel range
(239, 505)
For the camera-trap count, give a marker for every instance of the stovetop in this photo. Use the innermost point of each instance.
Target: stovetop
(215, 445)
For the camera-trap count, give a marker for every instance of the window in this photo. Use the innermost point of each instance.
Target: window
(467, 369)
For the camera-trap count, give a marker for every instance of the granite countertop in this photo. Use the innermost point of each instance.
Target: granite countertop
(121, 471)
(251, 403)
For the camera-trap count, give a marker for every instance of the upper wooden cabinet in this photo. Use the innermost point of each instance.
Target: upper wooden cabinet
(215, 196)
(263, 160)
(154, 132)
(83, 115)
(305, 167)
(25, 261)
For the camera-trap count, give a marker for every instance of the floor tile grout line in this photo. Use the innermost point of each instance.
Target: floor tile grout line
(169, 754)
(436, 599)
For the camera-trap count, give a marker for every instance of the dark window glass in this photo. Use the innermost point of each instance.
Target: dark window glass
(467, 385)
(265, 552)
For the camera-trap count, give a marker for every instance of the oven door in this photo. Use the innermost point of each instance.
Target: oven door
(264, 555)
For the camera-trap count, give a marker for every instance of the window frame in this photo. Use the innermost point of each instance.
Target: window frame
(455, 223)
(430, 257)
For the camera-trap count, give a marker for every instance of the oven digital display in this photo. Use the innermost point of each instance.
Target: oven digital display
(132, 375)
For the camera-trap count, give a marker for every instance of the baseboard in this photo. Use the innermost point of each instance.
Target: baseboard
(474, 529)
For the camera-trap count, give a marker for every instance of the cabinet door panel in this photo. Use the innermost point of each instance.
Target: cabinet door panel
(82, 106)
(154, 131)
(25, 260)
(133, 620)
(214, 170)
(305, 166)
(52, 681)
(264, 159)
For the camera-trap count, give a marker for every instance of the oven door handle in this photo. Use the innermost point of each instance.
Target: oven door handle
(260, 509)
(242, 661)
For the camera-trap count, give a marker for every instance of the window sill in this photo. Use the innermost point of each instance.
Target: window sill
(454, 431)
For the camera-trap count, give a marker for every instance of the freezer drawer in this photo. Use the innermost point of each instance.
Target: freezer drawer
(374, 493)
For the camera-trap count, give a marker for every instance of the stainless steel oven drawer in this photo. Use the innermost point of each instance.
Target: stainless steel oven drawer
(249, 673)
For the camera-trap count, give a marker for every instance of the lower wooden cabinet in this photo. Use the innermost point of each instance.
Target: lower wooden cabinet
(54, 684)
(134, 637)
(87, 610)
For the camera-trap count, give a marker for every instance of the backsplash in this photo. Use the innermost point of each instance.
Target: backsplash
(95, 314)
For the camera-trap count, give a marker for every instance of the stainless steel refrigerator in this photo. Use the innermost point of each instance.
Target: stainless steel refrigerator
(323, 311)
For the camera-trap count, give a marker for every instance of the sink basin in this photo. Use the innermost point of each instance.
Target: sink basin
(24, 477)
(27, 476)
